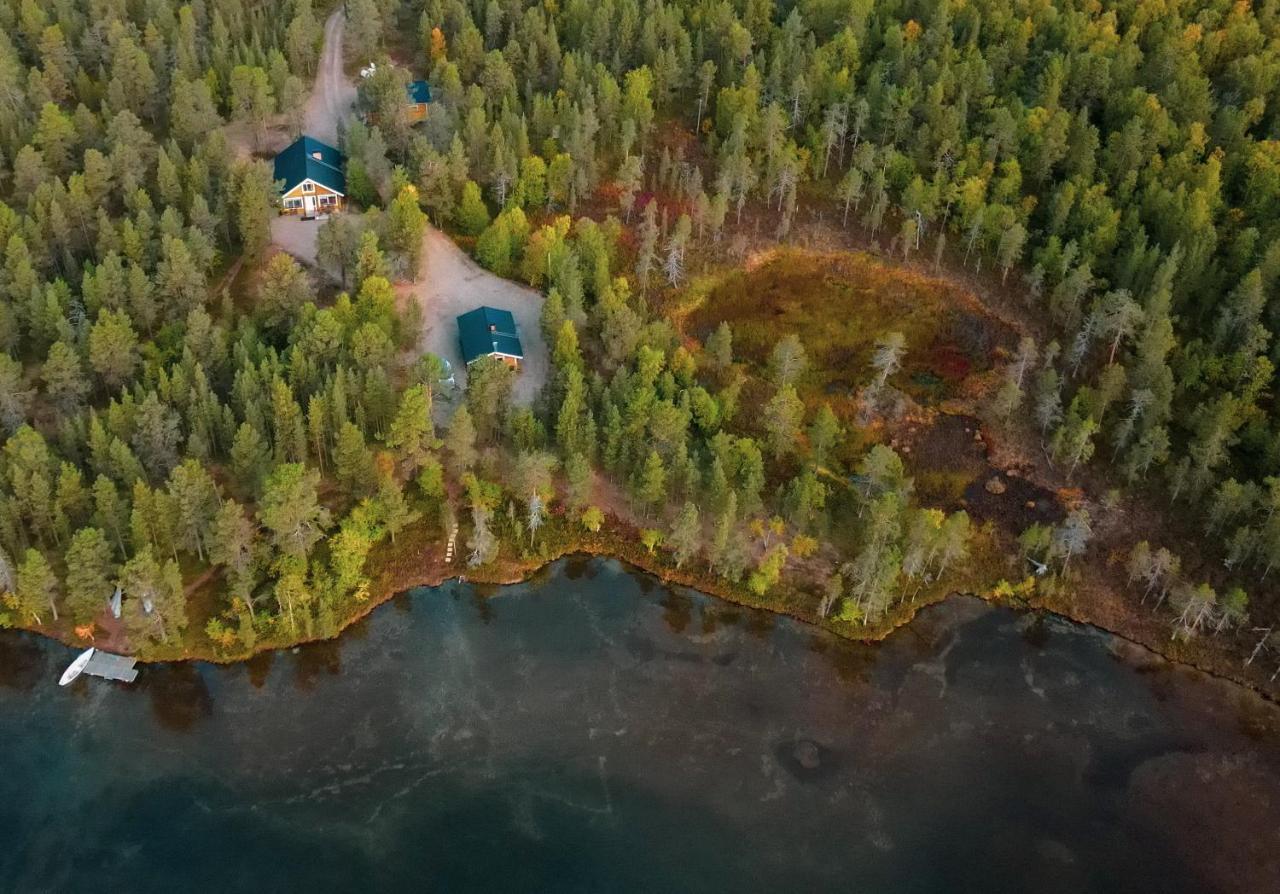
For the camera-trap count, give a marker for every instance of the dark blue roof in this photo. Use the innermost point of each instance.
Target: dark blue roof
(309, 159)
(419, 91)
(487, 330)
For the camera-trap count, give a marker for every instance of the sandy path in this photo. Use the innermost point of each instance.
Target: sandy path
(334, 95)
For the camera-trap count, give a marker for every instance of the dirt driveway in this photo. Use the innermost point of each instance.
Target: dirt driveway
(334, 95)
(332, 98)
(452, 284)
(296, 236)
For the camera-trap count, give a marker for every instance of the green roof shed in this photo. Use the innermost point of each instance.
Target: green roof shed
(488, 331)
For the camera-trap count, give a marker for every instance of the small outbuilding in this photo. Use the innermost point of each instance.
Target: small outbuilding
(490, 332)
(419, 98)
(311, 172)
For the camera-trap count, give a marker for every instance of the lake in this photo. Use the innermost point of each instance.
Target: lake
(595, 730)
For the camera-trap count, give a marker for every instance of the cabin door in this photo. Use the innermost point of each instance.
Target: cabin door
(309, 206)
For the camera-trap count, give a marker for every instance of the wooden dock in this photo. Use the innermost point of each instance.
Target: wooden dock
(101, 664)
(112, 667)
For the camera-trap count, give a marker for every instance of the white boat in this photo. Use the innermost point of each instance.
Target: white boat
(77, 667)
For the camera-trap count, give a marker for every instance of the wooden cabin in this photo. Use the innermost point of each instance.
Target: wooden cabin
(312, 177)
(490, 332)
(419, 98)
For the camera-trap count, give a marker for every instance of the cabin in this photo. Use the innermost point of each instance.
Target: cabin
(489, 332)
(314, 183)
(419, 98)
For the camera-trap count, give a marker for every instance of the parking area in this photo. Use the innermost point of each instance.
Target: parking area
(296, 236)
(450, 284)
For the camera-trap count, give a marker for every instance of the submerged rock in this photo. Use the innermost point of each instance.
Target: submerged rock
(807, 754)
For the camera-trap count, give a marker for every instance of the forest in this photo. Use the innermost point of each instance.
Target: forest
(185, 410)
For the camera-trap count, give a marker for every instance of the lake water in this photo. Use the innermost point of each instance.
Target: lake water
(592, 730)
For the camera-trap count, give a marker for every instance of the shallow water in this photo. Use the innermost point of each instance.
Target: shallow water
(592, 730)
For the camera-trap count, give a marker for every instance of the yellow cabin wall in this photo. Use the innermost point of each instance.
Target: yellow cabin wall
(340, 203)
(297, 193)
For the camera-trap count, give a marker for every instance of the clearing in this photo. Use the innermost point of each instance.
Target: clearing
(450, 283)
(453, 284)
(839, 303)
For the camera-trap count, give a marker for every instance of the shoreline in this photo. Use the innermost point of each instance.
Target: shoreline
(410, 566)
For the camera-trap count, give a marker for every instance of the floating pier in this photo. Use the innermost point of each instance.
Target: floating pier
(101, 664)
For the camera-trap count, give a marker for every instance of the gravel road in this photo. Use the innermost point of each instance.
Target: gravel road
(333, 95)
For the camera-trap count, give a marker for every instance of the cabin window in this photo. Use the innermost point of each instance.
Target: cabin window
(293, 203)
(308, 187)
(326, 200)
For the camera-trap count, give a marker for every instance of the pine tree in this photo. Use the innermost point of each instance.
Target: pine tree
(650, 484)
(412, 433)
(197, 500)
(110, 512)
(370, 262)
(255, 198)
(289, 429)
(489, 384)
(157, 436)
(89, 574)
(782, 417)
(788, 361)
(179, 278)
(353, 462)
(337, 244)
(234, 547)
(472, 216)
(284, 288)
(393, 508)
(250, 457)
(154, 600)
(37, 587)
(580, 480)
(720, 346)
(64, 378)
(405, 226)
(113, 348)
(646, 253)
(15, 396)
(686, 534)
(365, 29)
(460, 440)
(290, 509)
(824, 431)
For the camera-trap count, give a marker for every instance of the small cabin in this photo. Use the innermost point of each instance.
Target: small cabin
(490, 332)
(419, 98)
(314, 183)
